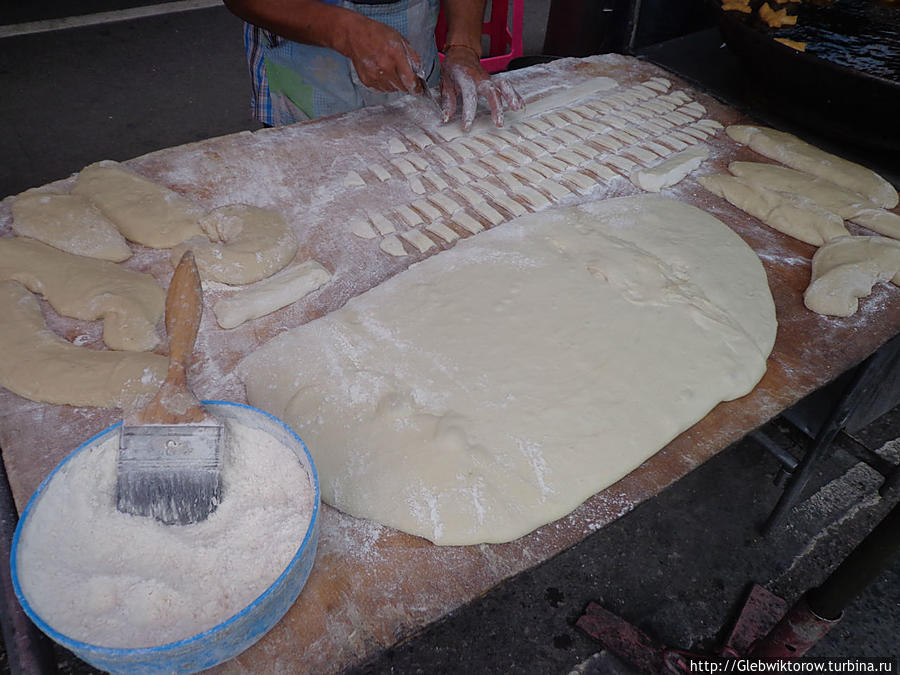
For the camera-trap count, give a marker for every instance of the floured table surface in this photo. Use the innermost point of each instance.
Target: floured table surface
(366, 171)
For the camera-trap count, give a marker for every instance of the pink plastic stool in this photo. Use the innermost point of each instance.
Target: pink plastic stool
(503, 45)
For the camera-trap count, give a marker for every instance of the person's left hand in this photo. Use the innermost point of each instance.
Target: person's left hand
(463, 79)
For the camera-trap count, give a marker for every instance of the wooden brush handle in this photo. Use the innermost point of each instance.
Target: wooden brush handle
(175, 403)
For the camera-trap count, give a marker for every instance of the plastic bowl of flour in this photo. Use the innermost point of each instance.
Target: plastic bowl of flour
(130, 595)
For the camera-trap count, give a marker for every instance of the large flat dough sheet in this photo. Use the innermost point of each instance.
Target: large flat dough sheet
(493, 387)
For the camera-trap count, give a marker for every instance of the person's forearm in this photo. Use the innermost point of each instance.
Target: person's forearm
(464, 19)
(307, 21)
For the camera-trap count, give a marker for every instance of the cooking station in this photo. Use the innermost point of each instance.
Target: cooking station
(371, 587)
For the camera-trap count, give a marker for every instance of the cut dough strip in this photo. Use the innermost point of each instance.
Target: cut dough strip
(800, 155)
(43, 367)
(846, 203)
(793, 215)
(262, 298)
(129, 303)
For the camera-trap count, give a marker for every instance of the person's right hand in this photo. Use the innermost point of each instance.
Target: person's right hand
(383, 58)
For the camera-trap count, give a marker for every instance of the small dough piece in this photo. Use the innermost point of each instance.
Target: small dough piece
(554, 189)
(673, 142)
(676, 117)
(421, 140)
(490, 189)
(622, 163)
(791, 214)
(418, 239)
(415, 184)
(381, 223)
(144, 212)
(510, 182)
(582, 182)
(409, 216)
(130, 303)
(474, 145)
(353, 179)
(426, 209)
(444, 202)
(39, 365)
(362, 228)
(847, 204)
(602, 171)
(802, 156)
(433, 178)
(440, 230)
(488, 212)
(264, 297)
(670, 171)
(68, 222)
(418, 161)
(467, 222)
(404, 166)
(445, 157)
(244, 244)
(708, 124)
(569, 157)
(392, 245)
(527, 174)
(660, 150)
(845, 270)
(380, 172)
(475, 169)
(458, 175)
(607, 143)
(514, 208)
(534, 198)
(396, 146)
(642, 155)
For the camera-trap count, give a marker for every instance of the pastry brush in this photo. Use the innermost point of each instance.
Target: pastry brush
(170, 451)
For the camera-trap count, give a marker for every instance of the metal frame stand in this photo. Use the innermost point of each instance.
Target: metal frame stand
(866, 389)
(766, 628)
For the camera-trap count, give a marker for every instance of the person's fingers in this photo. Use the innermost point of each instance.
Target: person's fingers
(492, 94)
(468, 93)
(448, 99)
(510, 96)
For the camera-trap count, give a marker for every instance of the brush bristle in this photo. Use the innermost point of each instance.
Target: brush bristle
(172, 497)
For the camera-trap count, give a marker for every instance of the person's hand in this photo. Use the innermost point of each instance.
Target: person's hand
(383, 58)
(463, 79)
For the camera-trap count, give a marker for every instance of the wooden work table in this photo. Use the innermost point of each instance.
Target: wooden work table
(372, 586)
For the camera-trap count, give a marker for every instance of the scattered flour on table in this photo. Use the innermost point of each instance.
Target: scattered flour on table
(111, 579)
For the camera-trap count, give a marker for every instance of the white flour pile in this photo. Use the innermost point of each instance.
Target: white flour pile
(111, 579)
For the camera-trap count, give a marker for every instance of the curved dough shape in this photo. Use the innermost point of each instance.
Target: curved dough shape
(130, 303)
(846, 269)
(486, 390)
(848, 204)
(68, 222)
(37, 364)
(245, 244)
(802, 156)
(794, 215)
(143, 211)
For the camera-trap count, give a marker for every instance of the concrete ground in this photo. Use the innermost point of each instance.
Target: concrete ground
(677, 566)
